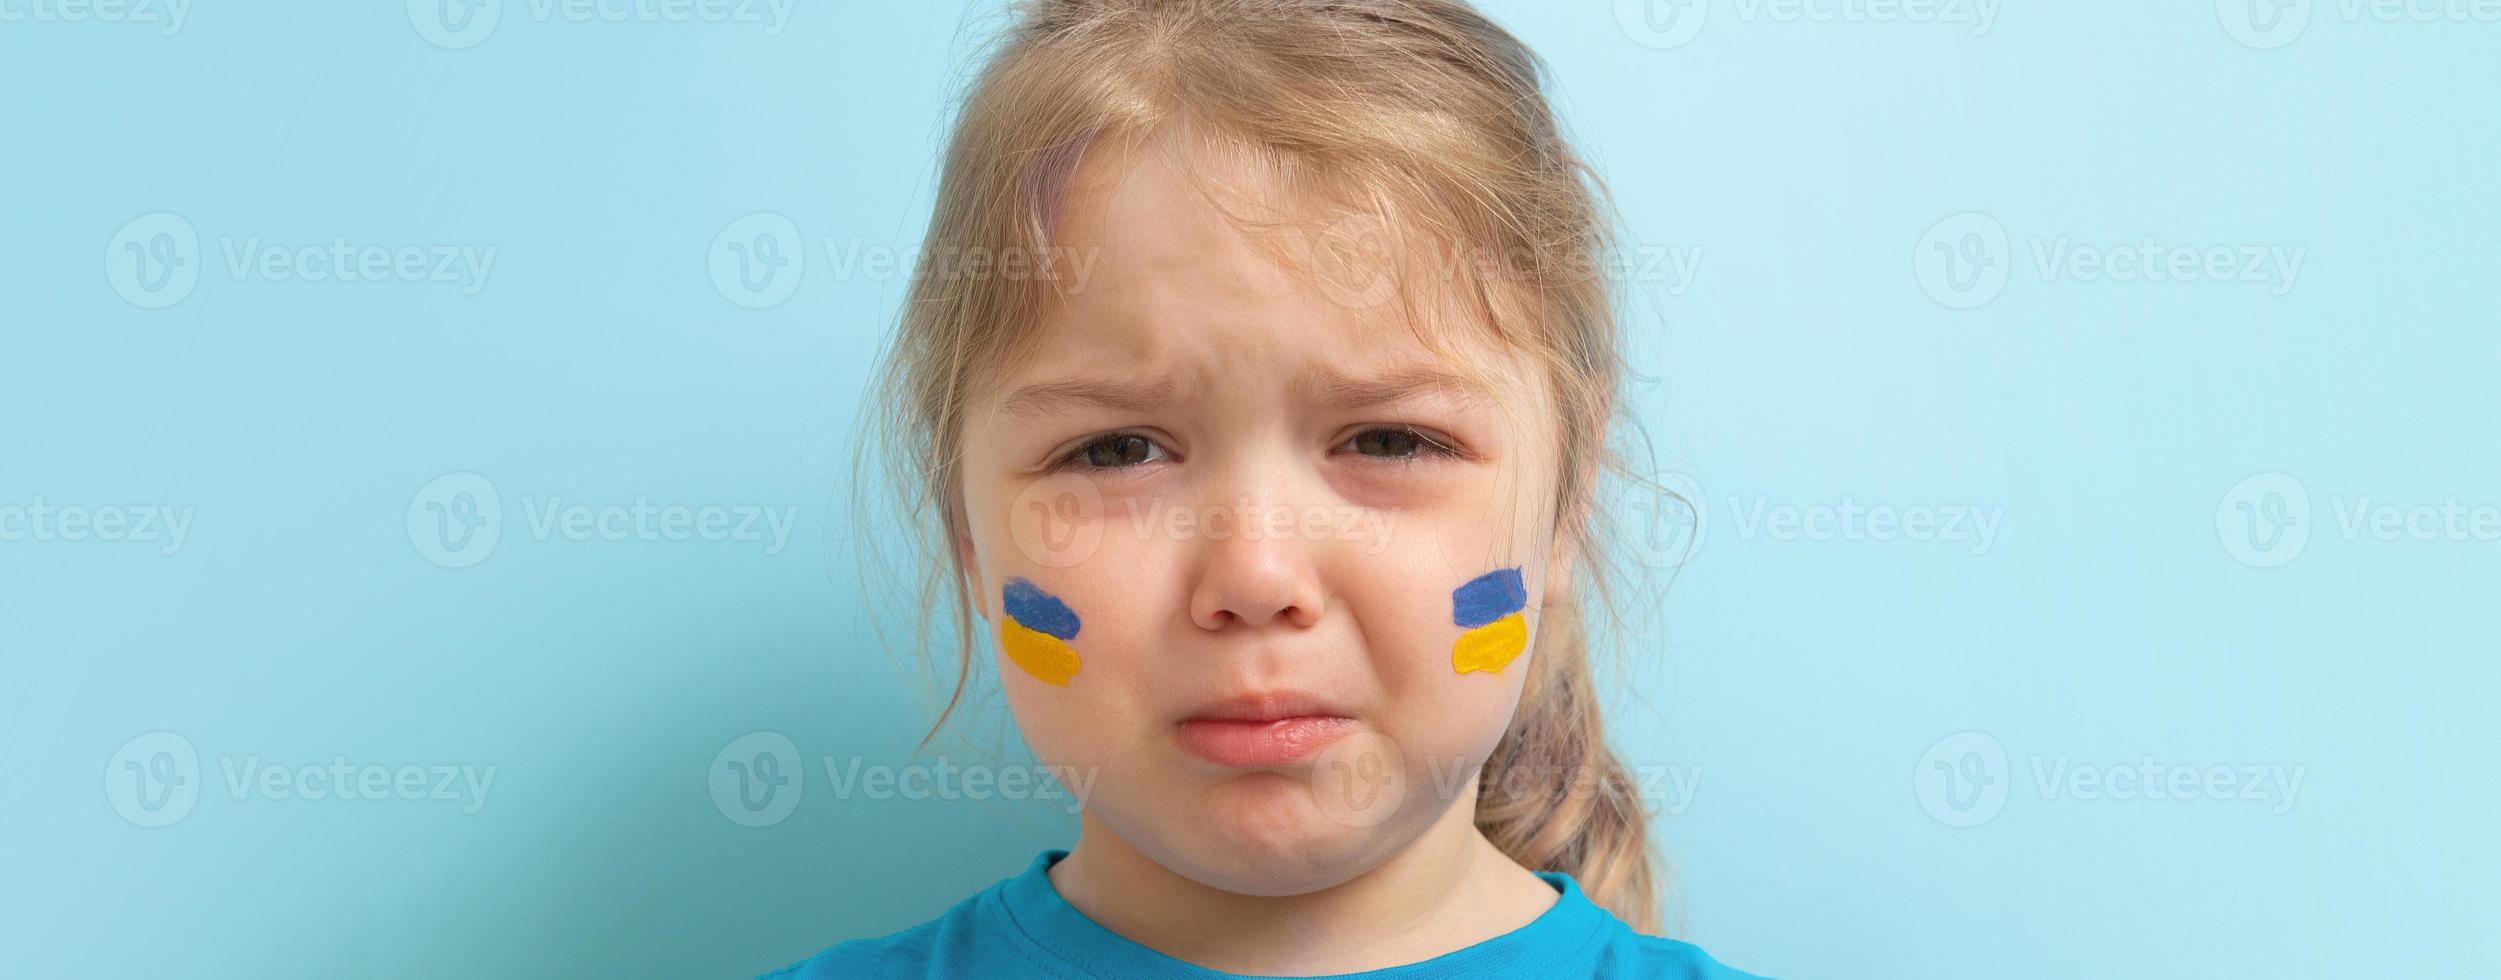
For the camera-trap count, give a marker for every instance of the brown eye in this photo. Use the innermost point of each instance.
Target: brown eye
(1396, 444)
(1116, 451)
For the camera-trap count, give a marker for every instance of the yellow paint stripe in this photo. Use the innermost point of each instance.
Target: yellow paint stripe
(1044, 656)
(1490, 647)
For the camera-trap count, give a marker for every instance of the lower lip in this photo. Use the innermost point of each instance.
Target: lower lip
(1252, 744)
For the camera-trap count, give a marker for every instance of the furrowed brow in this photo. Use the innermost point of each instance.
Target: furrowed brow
(1344, 392)
(1061, 397)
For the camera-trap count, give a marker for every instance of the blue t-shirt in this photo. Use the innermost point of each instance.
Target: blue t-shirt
(1021, 928)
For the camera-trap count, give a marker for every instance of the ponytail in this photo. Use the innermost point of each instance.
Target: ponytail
(1554, 797)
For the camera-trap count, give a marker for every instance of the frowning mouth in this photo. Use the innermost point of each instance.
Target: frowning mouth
(1263, 729)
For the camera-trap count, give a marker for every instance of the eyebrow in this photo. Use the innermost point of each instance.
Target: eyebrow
(1058, 397)
(1344, 392)
(1330, 389)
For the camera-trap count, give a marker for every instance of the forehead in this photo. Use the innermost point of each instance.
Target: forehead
(1210, 264)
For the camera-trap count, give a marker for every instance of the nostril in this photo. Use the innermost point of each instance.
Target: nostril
(1255, 598)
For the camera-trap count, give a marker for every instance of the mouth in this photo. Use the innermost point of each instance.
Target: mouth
(1262, 730)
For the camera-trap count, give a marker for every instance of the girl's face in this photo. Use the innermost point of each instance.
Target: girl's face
(1218, 514)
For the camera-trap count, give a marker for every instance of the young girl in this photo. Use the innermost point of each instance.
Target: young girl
(1256, 419)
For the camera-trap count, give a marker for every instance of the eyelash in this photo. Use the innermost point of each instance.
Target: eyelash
(1074, 458)
(1429, 447)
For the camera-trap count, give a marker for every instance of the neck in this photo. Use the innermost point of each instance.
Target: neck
(1449, 889)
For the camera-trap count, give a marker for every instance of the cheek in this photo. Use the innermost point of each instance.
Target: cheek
(1452, 658)
(1072, 608)
(1094, 718)
(1448, 722)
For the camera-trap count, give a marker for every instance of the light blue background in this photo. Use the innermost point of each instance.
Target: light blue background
(1811, 685)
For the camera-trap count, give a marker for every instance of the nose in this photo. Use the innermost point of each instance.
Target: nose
(1255, 567)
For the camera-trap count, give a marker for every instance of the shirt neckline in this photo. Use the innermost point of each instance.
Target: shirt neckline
(1055, 929)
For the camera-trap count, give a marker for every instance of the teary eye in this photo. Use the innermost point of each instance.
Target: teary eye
(1397, 442)
(1113, 451)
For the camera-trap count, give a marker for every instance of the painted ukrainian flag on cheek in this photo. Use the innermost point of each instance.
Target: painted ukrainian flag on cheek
(1489, 608)
(1036, 630)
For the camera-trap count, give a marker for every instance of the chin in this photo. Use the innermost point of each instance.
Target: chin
(1263, 834)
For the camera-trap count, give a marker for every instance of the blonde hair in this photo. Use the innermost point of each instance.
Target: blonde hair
(1435, 115)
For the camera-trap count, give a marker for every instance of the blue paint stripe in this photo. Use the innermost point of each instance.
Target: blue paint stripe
(1039, 611)
(1488, 597)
